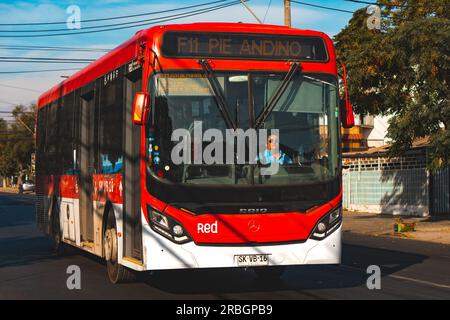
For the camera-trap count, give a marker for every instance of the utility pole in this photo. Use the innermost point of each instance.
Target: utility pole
(287, 13)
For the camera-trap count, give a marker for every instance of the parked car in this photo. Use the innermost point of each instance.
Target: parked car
(28, 185)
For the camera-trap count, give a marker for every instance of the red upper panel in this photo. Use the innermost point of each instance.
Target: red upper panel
(153, 36)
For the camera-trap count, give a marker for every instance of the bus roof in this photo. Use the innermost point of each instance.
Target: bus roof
(129, 51)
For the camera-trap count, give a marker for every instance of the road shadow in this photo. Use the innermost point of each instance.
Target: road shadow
(13, 216)
(26, 251)
(352, 273)
(20, 251)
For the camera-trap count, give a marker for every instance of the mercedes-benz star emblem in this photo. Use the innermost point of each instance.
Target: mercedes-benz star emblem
(253, 226)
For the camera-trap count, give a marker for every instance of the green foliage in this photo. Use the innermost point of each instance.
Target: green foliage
(8, 165)
(17, 141)
(403, 70)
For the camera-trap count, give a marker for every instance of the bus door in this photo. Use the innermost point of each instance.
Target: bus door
(65, 182)
(131, 179)
(87, 168)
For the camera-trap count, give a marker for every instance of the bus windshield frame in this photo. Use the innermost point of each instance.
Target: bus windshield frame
(316, 161)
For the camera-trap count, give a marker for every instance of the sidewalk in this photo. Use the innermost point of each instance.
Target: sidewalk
(9, 190)
(383, 225)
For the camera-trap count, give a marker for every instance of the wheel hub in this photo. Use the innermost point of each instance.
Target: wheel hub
(110, 245)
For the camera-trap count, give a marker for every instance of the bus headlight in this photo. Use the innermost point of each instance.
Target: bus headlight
(178, 230)
(327, 225)
(159, 219)
(167, 226)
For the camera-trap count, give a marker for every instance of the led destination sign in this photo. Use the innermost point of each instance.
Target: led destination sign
(243, 46)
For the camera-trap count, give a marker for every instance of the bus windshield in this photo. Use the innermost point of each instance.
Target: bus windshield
(305, 120)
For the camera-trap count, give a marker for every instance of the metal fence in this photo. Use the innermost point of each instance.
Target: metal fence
(440, 193)
(397, 192)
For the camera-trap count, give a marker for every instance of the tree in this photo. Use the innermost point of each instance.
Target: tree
(403, 70)
(17, 141)
(7, 164)
(23, 135)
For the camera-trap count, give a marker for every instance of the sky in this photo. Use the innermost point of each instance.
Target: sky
(31, 85)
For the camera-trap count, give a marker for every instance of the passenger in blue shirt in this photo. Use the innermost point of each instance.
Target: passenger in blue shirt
(271, 154)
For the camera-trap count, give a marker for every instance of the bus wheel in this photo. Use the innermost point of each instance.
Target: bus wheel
(58, 245)
(116, 272)
(270, 273)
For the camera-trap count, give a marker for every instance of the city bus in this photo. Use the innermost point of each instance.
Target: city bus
(107, 181)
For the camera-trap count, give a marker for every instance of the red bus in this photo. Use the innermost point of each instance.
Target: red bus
(107, 182)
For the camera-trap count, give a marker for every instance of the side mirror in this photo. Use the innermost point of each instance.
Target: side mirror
(141, 108)
(347, 116)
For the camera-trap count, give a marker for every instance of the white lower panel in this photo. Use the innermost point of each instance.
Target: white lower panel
(161, 253)
(70, 219)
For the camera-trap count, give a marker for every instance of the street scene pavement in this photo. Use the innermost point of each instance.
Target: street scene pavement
(30, 270)
(429, 229)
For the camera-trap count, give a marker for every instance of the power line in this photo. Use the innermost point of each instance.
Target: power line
(105, 26)
(52, 62)
(38, 71)
(129, 24)
(194, 13)
(8, 102)
(49, 48)
(9, 59)
(114, 18)
(267, 11)
(18, 88)
(46, 59)
(322, 7)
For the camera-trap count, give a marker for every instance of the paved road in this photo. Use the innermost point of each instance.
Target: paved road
(29, 270)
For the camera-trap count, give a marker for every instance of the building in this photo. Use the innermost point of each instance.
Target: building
(368, 132)
(373, 182)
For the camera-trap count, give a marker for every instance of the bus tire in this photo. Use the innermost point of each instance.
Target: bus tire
(116, 272)
(59, 246)
(270, 273)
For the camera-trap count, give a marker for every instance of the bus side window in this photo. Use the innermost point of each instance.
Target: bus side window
(67, 134)
(110, 126)
(76, 137)
(41, 161)
(52, 141)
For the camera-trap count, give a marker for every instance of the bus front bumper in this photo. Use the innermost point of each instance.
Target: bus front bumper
(162, 254)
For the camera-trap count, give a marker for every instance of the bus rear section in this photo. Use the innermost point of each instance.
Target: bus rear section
(228, 154)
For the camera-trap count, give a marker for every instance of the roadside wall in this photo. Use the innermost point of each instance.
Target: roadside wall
(398, 186)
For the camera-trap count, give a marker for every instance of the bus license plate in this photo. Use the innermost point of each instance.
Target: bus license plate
(252, 260)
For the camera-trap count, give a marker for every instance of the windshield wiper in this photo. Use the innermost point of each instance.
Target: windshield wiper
(320, 81)
(271, 104)
(218, 93)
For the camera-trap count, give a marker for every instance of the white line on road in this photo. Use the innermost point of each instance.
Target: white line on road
(420, 281)
(433, 284)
